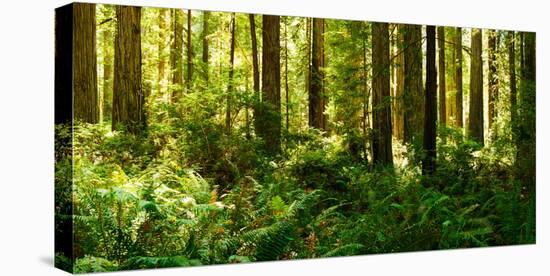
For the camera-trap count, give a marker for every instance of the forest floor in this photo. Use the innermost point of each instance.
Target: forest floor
(187, 195)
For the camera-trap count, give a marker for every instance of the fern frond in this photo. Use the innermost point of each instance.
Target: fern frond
(159, 262)
(271, 241)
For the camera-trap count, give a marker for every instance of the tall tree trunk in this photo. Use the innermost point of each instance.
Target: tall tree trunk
(399, 105)
(442, 83)
(513, 84)
(161, 67)
(458, 77)
(526, 152)
(271, 84)
(475, 123)
(286, 77)
(492, 78)
(176, 54)
(128, 97)
(316, 97)
(86, 96)
(381, 142)
(189, 52)
(205, 54)
(413, 95)
(230, 83)
(256, 73)
(428, 163)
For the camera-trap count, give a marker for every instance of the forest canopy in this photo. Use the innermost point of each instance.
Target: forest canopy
(204, 137)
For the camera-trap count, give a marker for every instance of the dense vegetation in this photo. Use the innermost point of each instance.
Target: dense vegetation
(316, 138)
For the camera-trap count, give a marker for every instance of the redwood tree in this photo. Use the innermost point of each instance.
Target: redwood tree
(316, 89)
(441, 69)
(128, 97)
(413, 88)
(429, 138)
(86, 96)
(475, 123)
(271, 84)
(382, 138)
(458, 77)
(526, 150)
(492, 77)
(256, 72)
(398, 113)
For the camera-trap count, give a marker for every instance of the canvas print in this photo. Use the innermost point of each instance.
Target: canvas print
(188, 137)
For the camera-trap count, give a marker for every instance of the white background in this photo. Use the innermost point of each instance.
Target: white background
(26, 135)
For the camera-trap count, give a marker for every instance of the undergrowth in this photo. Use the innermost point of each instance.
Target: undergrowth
(192, 195)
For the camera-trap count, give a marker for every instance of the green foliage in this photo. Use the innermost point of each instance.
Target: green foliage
(270, 242)
(158, 262)
(317, 201)
(188, 191)
(94, 264)
(346, 250)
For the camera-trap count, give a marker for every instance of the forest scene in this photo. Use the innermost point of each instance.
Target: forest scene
(202, 137)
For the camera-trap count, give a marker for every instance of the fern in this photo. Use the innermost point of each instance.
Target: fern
(305, 203)
(270, 242)
(94, 264)
(159, 262)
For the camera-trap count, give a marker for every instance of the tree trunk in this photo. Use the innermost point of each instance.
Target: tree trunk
(458, 78)
(256, 73)
(205, 55)
(381, 142)
(271, 84)
(160, 48)
(128, 97)
(513, 84)
(492, 78)
(176, 54)
(526, 152)
(399, 105)
(230, 82)
(286, 77)
(189, 52)
(316, 97)
(308, 59)
(413, 95)
(475, 123)
(442, 83)
(428, 163)
(86, 96)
